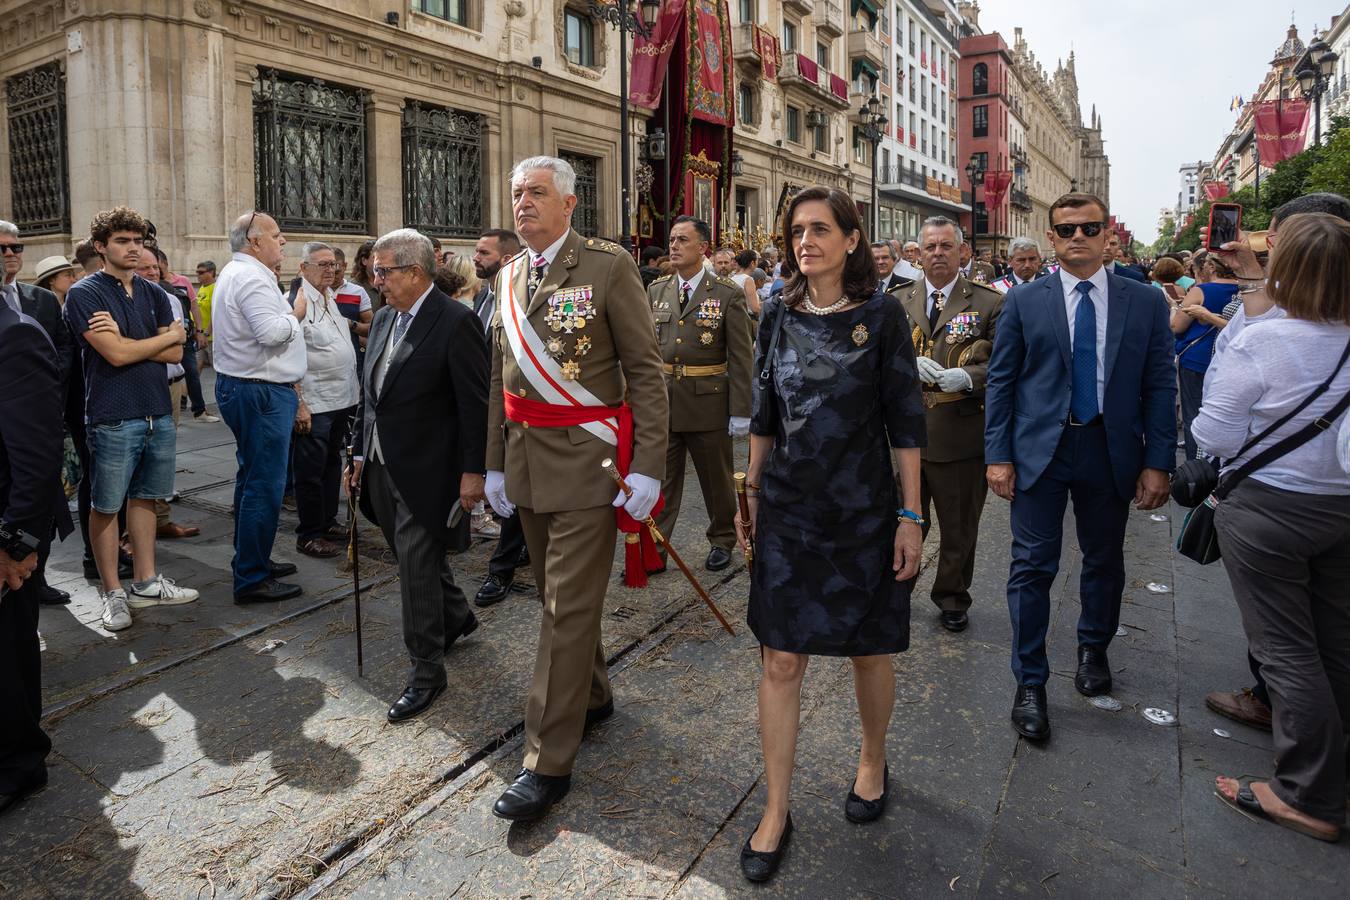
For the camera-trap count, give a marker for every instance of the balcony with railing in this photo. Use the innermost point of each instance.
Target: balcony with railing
(801, 6)
(803, 72)
(829, 18)
(865, 45)
(900, 175)
(1019, 199)
(743, 45)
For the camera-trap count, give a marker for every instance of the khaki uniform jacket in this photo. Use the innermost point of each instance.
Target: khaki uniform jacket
(714, 329)
(955, 421)
(555, 469)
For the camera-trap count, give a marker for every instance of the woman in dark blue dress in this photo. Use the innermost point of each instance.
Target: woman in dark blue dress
(835, 551)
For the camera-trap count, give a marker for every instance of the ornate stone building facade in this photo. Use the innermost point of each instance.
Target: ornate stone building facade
(345, 118)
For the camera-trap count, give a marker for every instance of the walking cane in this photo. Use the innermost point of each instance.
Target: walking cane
(744, 505)
(608, 466)
(353, 556)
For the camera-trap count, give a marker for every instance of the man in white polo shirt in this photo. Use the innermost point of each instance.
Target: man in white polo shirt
(260, 361)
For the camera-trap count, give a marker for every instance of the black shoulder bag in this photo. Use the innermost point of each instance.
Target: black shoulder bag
(1198, 540)
(766, 371)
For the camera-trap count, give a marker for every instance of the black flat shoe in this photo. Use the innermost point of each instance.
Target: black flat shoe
(1094, 672)
(531, 796)
(494, 590)
(1029, 713)
(50, 596)
(757, 866)
(269, 591)
(954, 620)
(718, 559)
(595, 716)
(281, 569)
(413, 703)
(858, 810)
(469, 627)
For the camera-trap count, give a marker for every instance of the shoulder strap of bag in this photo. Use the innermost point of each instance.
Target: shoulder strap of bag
(766, 373)
(1293, 441)
(1197, 339)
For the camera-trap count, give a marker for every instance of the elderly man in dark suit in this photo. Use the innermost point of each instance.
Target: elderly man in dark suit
(42, 306)
(1078, 403)
(30, 463)
(420, 439)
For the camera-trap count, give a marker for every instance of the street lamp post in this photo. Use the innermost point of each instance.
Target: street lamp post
(872, 127)
(1313, 78)
(1256, 161)
(975, 172)
(618, 14)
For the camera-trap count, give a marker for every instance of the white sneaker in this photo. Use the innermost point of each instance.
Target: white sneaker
(160, 592)
(116, 616)
(485, 526)
(206, 417)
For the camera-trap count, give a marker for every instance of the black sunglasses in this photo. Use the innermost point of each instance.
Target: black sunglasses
(16, 249)
(1065, 230)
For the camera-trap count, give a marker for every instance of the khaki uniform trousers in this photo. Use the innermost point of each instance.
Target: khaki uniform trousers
(572, 554)
(711, 451)
(956, 490)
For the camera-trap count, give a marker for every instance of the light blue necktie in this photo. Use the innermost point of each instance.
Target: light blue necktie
(1083, 399)
(401, 326)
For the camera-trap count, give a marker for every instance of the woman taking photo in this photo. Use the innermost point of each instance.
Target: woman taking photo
(1196, 322)
(1284, 529)
(837, 413)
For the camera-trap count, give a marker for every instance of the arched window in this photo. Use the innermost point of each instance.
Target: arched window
(979, 77)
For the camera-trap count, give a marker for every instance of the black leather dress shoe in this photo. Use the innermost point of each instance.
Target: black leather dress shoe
(595, 716)
(9, 801)
(1094, 672)
(858, 810)
(124, 568)
(269, 591)
(1029, 713)
(469, 627)
(954, 620)
(50, 596)
(413, 703)
(281, 569)
(494, 590)
(718, 559)
(757, 866)
(523, 559)
(530, 796)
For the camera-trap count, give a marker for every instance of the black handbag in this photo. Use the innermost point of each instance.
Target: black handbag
(1198, 539)
(1193, 481)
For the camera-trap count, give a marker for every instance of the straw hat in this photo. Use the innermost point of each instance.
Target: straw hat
(51, 265)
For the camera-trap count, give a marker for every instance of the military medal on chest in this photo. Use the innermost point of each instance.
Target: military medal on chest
(963, 327)
(569, 309)
(709, 312)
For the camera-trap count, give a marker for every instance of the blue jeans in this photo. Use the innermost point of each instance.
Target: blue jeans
(133, 459)
(261, 417)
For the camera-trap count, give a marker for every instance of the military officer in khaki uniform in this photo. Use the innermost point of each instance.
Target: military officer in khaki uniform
(571, 340)
(703, 330)
(953, 322)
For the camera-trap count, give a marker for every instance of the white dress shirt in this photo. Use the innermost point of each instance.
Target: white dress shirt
(550, 252)
(254, 333)
(694, 281)
(330, 375)
(1098, 295)
(946, 295)
(175, 370)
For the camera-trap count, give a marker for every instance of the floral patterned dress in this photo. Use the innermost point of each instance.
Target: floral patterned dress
(844, 391)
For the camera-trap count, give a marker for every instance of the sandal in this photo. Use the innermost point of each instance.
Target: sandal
(1246, 803)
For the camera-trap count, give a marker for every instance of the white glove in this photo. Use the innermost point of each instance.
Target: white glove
(928, 369)
(954, 380)
(645, 492)
(495, 488)
(738, 426)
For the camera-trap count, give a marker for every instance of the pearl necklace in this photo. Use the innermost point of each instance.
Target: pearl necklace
(808, 306)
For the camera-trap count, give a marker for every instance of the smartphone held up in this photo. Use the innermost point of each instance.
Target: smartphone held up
(1225, 223)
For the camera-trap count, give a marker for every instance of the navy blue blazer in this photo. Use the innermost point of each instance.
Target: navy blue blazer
(1026, 406)
(1129, 272)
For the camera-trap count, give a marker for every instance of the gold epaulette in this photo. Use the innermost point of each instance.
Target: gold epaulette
(606, 246)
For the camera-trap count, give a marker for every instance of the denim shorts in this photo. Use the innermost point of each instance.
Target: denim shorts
(132, 459)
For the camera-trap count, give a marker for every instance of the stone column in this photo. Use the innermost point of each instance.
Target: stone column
(384, 160)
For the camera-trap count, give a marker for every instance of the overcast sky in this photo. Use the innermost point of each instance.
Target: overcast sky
(1161, 88)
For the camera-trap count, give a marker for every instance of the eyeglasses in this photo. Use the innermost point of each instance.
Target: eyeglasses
(383, 271)
(249, 226)
(1065, 230)
(16, 249)
(326, 264)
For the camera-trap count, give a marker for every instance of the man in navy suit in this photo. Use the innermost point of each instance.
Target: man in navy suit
(1079, 404)
(1111, 260)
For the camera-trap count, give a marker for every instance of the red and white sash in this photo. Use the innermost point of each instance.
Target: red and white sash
(541, 370)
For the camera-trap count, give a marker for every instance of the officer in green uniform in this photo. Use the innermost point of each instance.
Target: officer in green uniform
(953, 321)
(703, 329)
